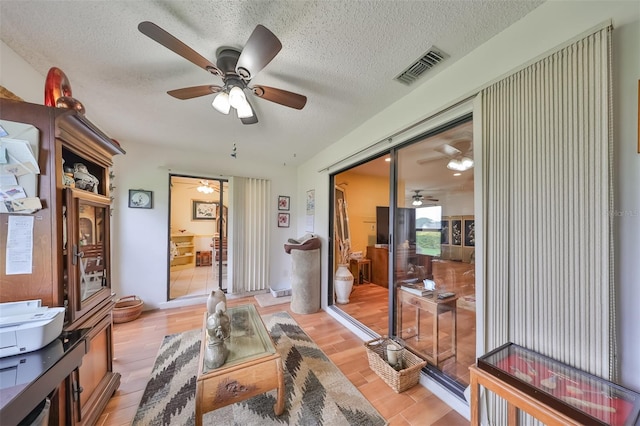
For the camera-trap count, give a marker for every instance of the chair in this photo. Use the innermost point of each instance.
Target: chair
(216, 248)
(91, 269)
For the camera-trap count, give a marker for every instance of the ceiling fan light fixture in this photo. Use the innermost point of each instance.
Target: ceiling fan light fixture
(416, 202)
(466, 162)
(205, 188)
(461, 165)
(244, 110)
(236, 97)
(221, 103)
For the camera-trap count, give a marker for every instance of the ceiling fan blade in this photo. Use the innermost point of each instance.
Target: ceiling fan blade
(156, 33)
(260, 49)
(250, 120)
(279, 96)
(194, 92)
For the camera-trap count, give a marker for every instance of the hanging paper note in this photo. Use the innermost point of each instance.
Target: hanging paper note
(19, 254)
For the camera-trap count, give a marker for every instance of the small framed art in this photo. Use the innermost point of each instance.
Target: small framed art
(283, 202)
(283, 220)
(203, 210)
(140, 199)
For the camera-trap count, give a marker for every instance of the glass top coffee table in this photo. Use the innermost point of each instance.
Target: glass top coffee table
(252, 367)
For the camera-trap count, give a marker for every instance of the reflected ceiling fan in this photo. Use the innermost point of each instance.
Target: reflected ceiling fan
(235, 67)
(459, 152)
(206, 187)
(418, 199)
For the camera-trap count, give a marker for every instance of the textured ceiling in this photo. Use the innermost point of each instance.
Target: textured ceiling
(343, 55)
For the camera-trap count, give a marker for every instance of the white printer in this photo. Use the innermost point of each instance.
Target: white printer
(28, 326)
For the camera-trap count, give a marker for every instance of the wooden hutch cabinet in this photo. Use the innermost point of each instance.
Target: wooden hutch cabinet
(71, 251)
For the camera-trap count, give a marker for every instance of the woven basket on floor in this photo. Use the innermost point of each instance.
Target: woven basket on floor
(127, 309)
(401, 380)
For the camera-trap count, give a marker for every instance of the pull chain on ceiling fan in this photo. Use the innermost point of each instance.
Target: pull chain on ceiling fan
(236, 68)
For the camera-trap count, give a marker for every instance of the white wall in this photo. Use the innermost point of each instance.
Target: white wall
(140, 253)
(552, 24)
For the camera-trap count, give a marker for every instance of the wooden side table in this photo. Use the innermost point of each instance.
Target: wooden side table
(252, 367)
(361, 270)
(435, 307)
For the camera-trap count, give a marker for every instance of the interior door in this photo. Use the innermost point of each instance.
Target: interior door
(198, 246)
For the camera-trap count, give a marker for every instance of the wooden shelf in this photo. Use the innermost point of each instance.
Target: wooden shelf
(186, 256)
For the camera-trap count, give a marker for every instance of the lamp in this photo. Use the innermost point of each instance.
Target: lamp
(221, 103)
(233, 97)
(236, 97)
(244, 110)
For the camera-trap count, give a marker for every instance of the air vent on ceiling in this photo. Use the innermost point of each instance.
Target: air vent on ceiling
(419, 67)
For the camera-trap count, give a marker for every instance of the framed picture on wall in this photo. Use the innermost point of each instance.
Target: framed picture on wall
(203, 210)
(140, 199)
(469, 225)
(445, 230)
(283, 220)
(456, 231)
(283, 202)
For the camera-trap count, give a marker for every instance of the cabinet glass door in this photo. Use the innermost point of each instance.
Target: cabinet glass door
(93, 274)
(88, 249)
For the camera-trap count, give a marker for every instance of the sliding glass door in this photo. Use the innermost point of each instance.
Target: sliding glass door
(433, 269)
(412, 241)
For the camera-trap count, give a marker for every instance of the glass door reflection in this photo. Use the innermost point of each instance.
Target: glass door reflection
(91, 250)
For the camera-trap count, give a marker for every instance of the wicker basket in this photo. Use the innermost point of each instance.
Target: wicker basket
(401, 380)
(127, 309)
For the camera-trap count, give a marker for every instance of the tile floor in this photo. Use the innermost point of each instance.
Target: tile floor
(196, 281)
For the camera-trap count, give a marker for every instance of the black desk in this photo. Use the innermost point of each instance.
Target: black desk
(27, 379)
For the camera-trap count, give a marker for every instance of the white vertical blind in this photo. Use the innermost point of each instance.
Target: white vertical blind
(251, 234)
(547, 190)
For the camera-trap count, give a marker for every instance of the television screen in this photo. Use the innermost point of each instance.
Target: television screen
(382, 225)
(406, 218)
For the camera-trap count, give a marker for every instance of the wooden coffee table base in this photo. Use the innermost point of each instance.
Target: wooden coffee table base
(221, 388)
(258, 370)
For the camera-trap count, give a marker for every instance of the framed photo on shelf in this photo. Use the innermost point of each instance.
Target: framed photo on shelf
(283, 202)
(140, 199)
(283, 220)
(203, 210)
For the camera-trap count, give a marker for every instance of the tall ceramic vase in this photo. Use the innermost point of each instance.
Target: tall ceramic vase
(343, 283)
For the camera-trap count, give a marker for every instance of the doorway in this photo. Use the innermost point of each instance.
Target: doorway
(198, 230)
(411, 217)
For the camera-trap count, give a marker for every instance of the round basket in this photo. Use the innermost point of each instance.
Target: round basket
(127, 309)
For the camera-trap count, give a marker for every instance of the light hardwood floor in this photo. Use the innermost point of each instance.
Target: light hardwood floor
(136, 345)
(368, 304)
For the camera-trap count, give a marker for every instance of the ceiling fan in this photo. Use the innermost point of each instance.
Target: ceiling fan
(235, 67)
(459, 153)
(418, 198)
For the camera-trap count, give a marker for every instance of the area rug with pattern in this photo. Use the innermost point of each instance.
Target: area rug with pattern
(317, 393)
